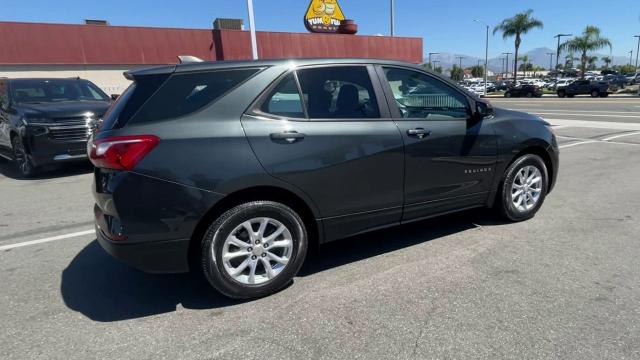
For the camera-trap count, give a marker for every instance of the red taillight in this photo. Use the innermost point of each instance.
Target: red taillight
(121, 152)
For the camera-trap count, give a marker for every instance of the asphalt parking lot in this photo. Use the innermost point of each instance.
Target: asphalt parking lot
(563, 285)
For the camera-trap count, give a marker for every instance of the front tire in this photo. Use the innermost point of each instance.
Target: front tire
(562, 93)
(595, 93)
(254, 249)
(22, 159)
(523, 188)
(507, 94)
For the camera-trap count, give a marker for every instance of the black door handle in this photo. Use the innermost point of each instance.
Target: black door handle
(288, 136)
(418, 132)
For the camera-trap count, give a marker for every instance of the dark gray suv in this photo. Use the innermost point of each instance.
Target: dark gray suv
(236, 168)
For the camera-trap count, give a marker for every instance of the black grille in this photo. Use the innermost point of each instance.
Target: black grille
(70, 129)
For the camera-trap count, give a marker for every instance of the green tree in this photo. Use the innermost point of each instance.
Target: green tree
(590, 40)
(625, 69)
(477, 71)
(516, 26)
(438, 69)
(592, 62)
(607, 60)
(457, 74)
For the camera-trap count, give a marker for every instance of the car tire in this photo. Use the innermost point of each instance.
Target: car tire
(507, 94)
(595, 93)
(243, 273)
(521, 177)
(22, 159)
(529, 94)
(562, 93)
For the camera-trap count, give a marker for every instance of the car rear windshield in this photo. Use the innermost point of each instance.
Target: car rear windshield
(34, 91)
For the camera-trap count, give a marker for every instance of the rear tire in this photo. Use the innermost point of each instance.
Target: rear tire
(523, 188)
(595, 93)
(529, 94)
(562, 93)
(22, 159)
(507, 94)
(244, 265)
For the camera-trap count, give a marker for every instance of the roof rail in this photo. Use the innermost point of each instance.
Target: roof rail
(186, 59)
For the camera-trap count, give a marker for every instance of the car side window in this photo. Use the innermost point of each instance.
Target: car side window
(419, 96)
(338, 92)
(285, 99)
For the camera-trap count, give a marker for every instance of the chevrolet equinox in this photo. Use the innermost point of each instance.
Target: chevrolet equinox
(237, 168)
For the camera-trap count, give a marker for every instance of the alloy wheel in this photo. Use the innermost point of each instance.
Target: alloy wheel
(257, 250)
(526, 188)
(21, 157)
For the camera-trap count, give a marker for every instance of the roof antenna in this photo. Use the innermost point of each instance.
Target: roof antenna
(186, 59)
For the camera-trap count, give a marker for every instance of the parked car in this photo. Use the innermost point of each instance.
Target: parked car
(562, 83)
(586, 87)
(633, 79)
(617, 80)
(47, 121)
(524, 91)
(237, 168)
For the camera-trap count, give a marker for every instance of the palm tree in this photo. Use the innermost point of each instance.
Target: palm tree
(607, 60)
(569, 59)
(525, 61)
(590, 40)
(520, 24)
(592, 62)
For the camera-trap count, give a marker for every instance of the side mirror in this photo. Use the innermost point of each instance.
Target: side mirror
(483, 110)
(115, 97)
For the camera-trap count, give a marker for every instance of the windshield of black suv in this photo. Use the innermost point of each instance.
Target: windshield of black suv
(33, 91)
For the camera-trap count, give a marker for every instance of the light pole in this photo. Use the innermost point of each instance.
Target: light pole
(502, 67)
(559, 36)
(630, 57)
(392, 17)
(252, 29)
(506, 73)
(431, 53)
(550, 60)
(460, 59)
(486, 54)
(637, 50)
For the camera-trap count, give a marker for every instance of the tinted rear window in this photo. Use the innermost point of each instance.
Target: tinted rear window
(131, 100)
(183, 94)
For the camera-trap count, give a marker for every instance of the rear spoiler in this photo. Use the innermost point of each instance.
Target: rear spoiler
(187, 59)
(166, 69)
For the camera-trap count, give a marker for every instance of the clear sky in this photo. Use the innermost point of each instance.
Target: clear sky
(445, 25)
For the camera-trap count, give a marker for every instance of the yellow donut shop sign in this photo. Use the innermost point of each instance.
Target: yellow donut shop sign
(323, 16)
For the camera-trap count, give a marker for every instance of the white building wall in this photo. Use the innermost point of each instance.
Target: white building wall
(108, 77)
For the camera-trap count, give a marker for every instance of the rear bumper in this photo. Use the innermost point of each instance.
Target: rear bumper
(168, 256)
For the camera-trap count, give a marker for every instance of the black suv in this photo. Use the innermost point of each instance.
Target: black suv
(524, 91)
(586, 87)
(47, 121)
(236, 168)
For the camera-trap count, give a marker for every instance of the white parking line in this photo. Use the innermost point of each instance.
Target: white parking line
(45, 240)
(577, 143)
(621, 135)
(579, 111)
(586, 115)
(594, 124)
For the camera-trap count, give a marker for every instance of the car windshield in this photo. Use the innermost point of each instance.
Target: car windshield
(46, 91)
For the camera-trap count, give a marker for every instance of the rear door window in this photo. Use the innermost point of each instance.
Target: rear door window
(338, 92)
(184, 94)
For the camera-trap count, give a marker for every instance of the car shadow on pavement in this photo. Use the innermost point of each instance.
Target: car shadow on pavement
(104, 289)
(8, 169)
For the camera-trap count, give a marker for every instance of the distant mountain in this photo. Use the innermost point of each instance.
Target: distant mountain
(537, 56)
